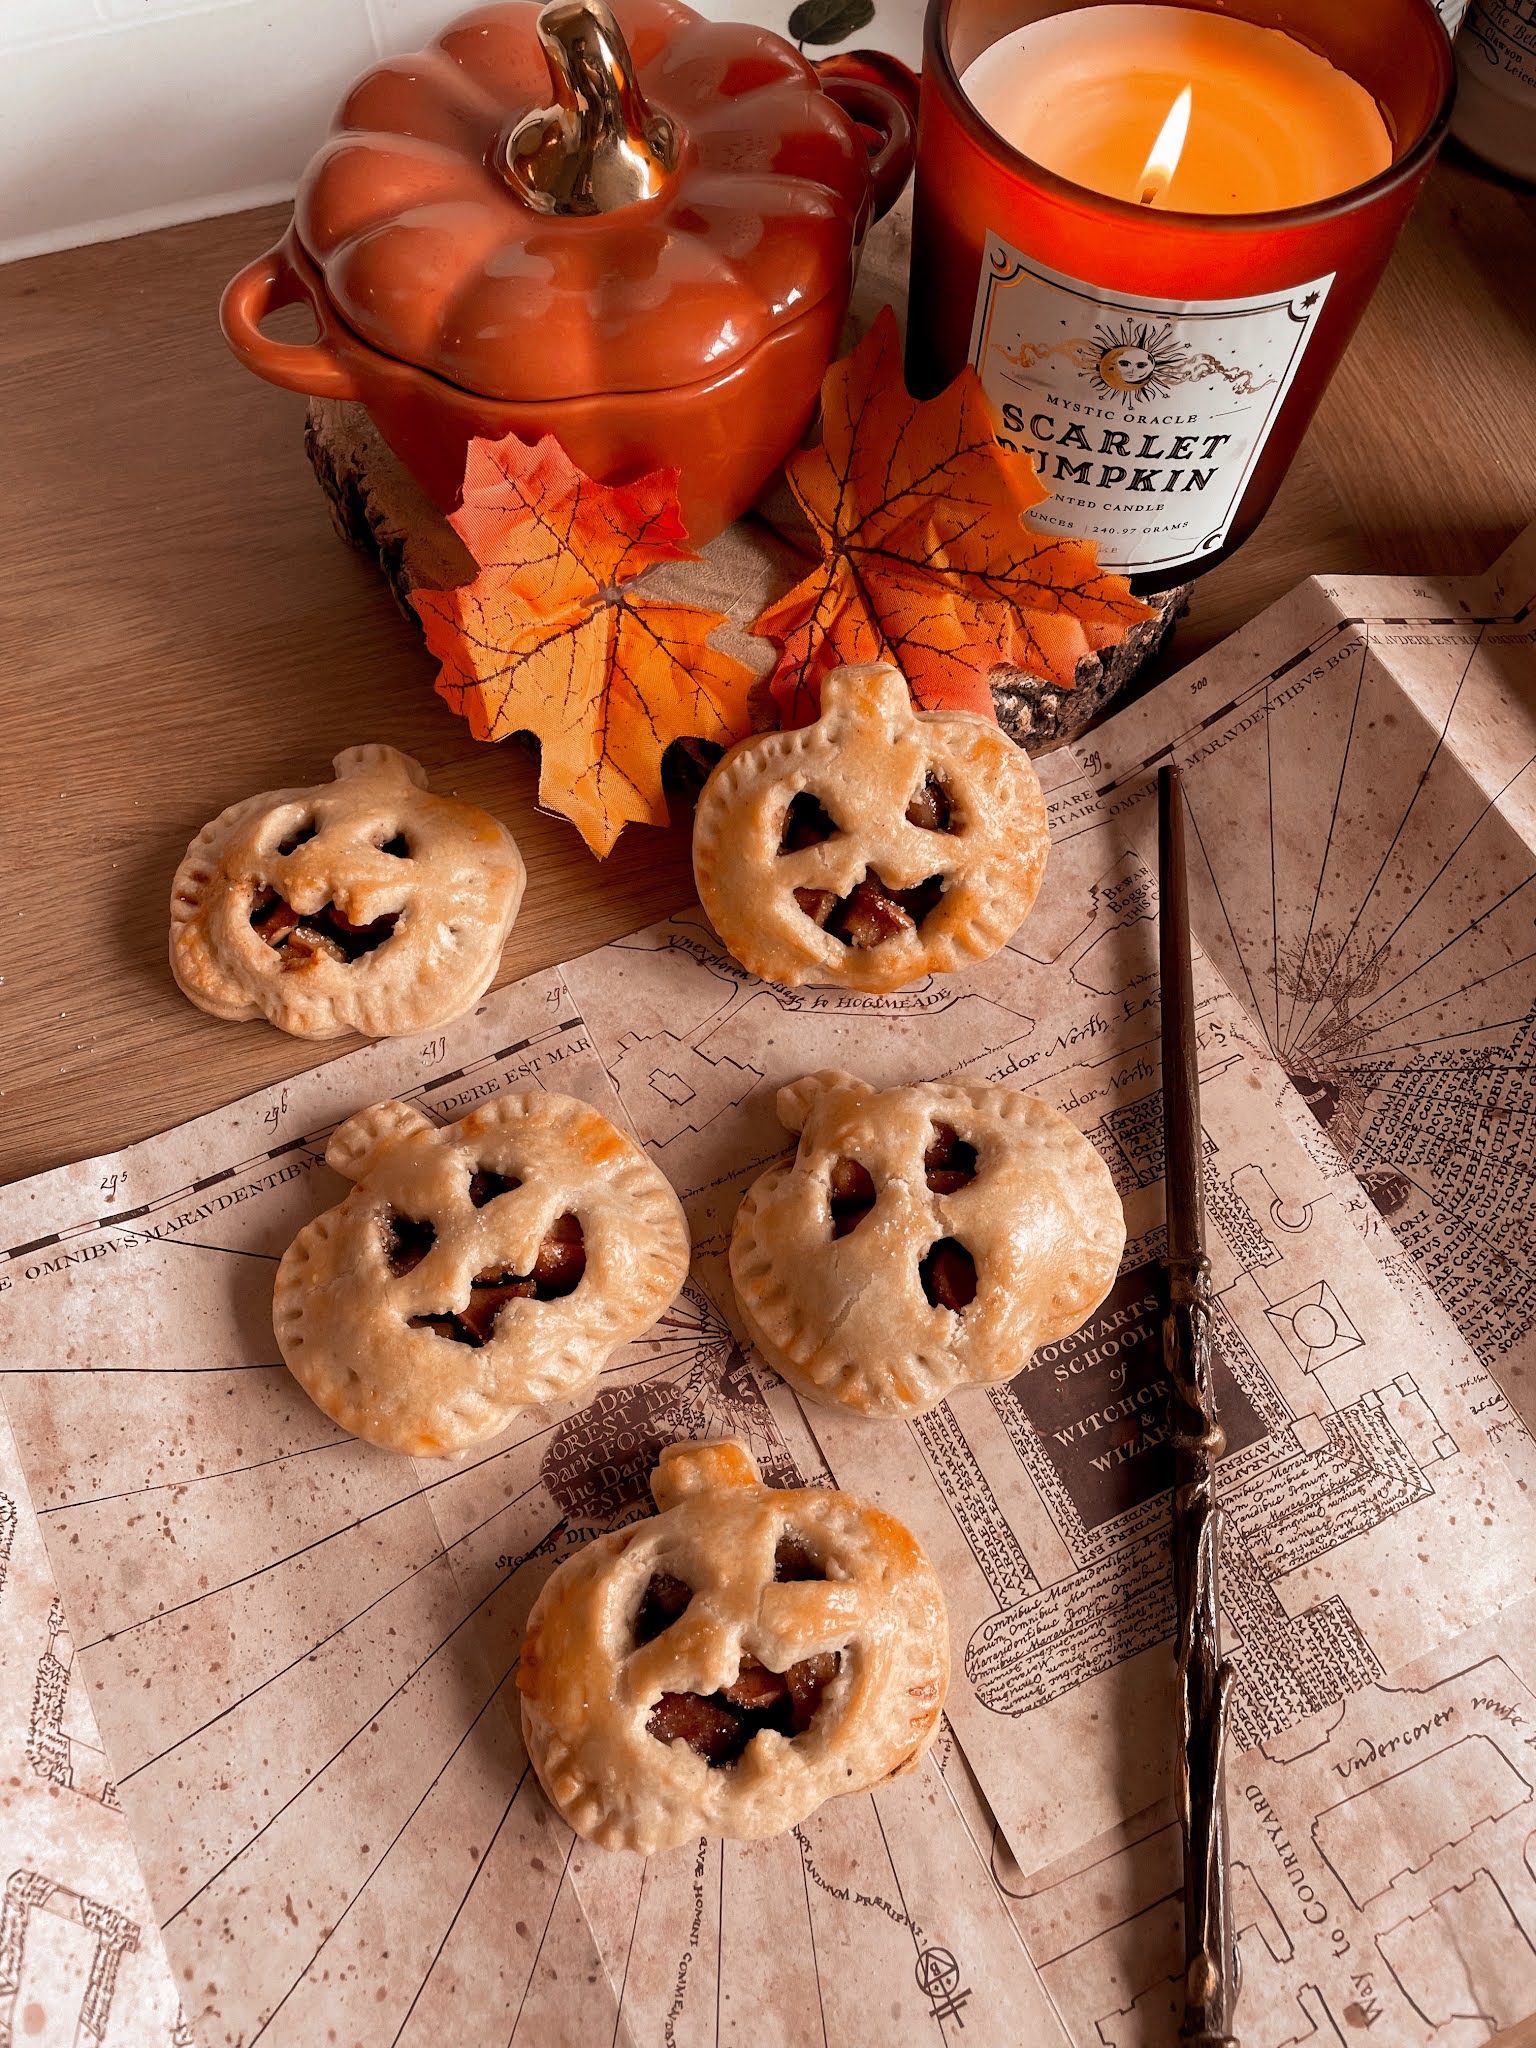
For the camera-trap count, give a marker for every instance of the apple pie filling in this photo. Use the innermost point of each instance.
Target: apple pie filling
(718, 1726)
(557, 1269)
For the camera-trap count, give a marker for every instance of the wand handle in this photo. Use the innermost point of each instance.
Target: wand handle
(1204, 1679)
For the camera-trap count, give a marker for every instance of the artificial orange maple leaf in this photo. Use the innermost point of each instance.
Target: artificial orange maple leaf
(926, 561)
(552, 637)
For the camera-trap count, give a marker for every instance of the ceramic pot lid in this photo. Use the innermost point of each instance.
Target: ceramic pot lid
(644, 230)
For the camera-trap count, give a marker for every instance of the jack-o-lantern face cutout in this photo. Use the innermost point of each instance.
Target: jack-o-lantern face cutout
(876, 846)
(475, 1269)
(726, 1667)
(366, 904)
(921, 1239)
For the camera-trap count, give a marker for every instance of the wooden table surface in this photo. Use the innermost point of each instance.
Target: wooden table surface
(182, 627)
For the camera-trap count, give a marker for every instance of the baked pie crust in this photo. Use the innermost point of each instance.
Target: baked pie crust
(366, 904)
(851, 1262)
(474, 1269)
(799, 1637)
(876, 846)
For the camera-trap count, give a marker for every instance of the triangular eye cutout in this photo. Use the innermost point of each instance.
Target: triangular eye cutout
(486, 1184)
(850, 1195)
(665, 1600)
(299, 836)
(931, 809)
(792, 1560)
(561, 1260)
(406, 1242)
(806, 823)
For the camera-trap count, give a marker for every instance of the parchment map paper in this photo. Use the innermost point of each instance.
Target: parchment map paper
(1360, 765)
(298, 1649)
(79, 1942)
(1370, 896)
(1351, 1463)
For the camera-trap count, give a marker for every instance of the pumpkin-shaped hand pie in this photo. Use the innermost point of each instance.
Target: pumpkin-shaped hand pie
(365, 904)
(474, 1269)
(727, 1666)
(921, 1239)
(873, 847)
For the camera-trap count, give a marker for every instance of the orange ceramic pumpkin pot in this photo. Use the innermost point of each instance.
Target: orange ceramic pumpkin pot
(654, 268)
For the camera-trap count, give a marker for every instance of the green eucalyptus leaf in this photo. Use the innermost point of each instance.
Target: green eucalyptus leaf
(830, 21)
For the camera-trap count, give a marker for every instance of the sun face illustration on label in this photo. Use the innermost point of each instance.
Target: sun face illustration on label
(1135, 361)
(1128, 369)
(1144, 417)
(1140, 363)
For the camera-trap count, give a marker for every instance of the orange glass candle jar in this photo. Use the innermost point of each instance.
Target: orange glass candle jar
(1161, 364)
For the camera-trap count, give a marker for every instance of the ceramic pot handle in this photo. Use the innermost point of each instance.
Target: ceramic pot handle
(880, 110)
(273, 281)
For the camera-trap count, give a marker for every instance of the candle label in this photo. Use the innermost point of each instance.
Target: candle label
(1145, 417)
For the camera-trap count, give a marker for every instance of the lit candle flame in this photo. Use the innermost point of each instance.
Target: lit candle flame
(1157, 172)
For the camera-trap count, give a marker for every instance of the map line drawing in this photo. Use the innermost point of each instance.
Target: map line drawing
(439, 1556)
(1333, 825)
(431, 1085)
(300, 1653)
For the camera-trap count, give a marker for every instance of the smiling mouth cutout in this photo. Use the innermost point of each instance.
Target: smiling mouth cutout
(325, 934)
(556, 1271)
(718, 1726)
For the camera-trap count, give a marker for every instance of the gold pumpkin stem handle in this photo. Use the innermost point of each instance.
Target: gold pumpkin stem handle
(599, 147)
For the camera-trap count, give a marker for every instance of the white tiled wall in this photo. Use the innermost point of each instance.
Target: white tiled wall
(117, 115)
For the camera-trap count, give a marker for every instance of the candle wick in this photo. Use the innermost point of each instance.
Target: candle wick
(1164, 155)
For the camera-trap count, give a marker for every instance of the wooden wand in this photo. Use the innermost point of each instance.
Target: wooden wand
(1210, 1959)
